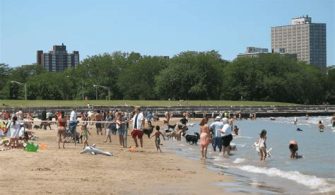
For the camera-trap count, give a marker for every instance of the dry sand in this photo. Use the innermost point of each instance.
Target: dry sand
(66, 171)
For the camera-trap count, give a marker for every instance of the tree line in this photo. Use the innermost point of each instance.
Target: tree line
(186, 76)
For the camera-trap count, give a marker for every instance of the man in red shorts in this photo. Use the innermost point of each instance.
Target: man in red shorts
(138, 124)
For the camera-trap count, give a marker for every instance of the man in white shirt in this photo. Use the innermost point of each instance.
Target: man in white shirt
(73, 116)
(73, 122)
(227, 136)
(216, 127)
(138, 124)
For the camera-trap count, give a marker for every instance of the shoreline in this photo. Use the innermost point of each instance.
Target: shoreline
(66, 171)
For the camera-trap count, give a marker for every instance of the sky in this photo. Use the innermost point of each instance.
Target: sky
(150, 27)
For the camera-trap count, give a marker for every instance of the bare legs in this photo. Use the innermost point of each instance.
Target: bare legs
(226, 149)
(121, 140)
(60, 133)
(60, 140)
(262, 153)
(108, 137)
(204, 152)
(136, 143)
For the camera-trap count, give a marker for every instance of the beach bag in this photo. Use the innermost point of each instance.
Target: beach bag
(31, 147)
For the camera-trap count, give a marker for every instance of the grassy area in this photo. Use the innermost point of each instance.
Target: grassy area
(79, 103)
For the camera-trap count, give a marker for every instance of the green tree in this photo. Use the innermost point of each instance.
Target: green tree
(4, 74)
(330, 85)
(273, 77)
(191, 75)
(50, 86)
(137, 80)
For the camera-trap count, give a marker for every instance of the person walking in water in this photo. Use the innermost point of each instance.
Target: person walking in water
(227, 136)
(205, 137)
(216, 127)
(262, 144)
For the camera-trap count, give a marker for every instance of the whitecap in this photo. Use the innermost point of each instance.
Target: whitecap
(238, 160)
(310, 181)
(217, 158)
(241, 136)
(241, 145)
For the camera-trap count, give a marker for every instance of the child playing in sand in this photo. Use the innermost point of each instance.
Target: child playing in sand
(84, 130)
(157, 138)
(262, 144)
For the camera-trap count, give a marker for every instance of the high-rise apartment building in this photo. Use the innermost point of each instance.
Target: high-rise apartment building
(304, 38)
(58, 59)
(253, 52)
(257, 51)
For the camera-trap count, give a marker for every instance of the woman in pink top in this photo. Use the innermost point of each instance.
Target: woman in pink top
(205, 137)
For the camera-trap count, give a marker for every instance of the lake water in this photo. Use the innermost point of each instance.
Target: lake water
(314, 173)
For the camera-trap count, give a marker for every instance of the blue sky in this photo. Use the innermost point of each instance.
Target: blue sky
(151, 27)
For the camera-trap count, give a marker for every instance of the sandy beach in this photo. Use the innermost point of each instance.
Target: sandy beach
(66, 171)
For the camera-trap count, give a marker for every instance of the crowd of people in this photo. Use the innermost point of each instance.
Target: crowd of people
(17, 126)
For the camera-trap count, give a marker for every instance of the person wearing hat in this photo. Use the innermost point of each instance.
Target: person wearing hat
(227, 137)
(215, 128)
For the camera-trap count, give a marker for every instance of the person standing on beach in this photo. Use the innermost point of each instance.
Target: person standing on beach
(84, 130)
(61, 128)
(13, 129)
(262, 144)
(109, 126)
(227, 136)
(98, 124)
(205, 137)
(138, 124)
(125, 125)
(120, 127)
(216, 127)
(73, 124)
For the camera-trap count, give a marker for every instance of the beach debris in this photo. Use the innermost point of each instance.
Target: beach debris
(93, 150)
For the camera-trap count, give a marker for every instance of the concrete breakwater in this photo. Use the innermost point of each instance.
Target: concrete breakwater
(200, 111)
